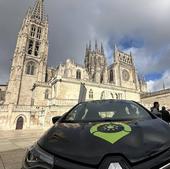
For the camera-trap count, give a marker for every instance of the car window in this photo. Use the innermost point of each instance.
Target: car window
(107, 110)
(76, 113)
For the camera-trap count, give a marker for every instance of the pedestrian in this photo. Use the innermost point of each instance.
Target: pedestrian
(155, 109)
(165, 114)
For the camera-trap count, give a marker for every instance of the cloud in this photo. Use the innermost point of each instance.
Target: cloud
(73, 23)
(160, 84)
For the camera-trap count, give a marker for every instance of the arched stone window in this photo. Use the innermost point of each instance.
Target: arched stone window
(101, 78)
(20, 123)
(46, 77)
(111, 75)
(30, 46)
(39, 33)
(102, 95)
(91, 94)
(117, 96)
(78, 74)
(33, 30)
(47, 94)
(112, 95)
(99, 61)
(30, 68)
(2, 95)
(37, 47)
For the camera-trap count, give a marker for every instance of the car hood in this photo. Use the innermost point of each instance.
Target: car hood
(90, 142)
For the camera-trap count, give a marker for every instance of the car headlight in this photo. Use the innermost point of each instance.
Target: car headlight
(115, 166)
(37, 157)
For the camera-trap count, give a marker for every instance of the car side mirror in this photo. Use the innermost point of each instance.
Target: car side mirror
(55, 119)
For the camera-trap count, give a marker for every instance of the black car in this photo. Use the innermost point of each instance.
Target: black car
(107, 134)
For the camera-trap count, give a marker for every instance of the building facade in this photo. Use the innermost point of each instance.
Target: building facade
(162, 96)
(35, 92)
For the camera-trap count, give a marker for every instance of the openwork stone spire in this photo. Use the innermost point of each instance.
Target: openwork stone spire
(89, 45)
(96, 45)
(102, 49)
(38, 10)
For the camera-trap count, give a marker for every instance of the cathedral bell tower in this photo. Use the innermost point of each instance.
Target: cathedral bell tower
(95, 63)
(29, 62)
(125, 72)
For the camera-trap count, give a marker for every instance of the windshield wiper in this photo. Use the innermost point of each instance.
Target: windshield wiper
(105, 120)
(113, 120)
(108, 120)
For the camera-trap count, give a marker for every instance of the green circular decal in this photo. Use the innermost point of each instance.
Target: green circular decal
(111, 132)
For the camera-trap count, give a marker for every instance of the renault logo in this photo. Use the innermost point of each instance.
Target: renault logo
(115, 166)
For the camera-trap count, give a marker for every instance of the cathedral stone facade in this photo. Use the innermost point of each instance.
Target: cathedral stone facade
(35, 92)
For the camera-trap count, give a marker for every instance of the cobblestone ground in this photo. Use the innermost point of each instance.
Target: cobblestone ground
(13, 145)
(11, 159)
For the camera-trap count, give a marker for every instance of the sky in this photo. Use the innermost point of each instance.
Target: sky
(138, 26)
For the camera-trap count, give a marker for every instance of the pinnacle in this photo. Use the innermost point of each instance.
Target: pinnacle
(38, 10)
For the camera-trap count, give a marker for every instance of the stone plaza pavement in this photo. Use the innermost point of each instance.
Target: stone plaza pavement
(13, 145)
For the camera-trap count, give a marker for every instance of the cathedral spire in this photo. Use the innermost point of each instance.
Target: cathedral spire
(115, 47)
(38, 10)
(115, 53)
(96, 47)
(102, 49)
(28, 11)
(163, 85)
(90, 45)
(87, 49)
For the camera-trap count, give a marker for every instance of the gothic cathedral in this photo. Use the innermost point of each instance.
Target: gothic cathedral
(35, 92)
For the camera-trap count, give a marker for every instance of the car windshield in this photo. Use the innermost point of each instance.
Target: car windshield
(106, 111)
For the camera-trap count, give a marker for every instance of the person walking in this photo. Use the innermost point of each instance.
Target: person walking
(155, 109)
(165, 114)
